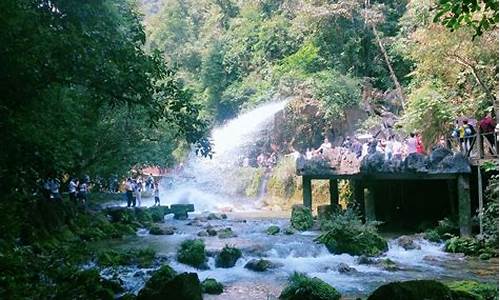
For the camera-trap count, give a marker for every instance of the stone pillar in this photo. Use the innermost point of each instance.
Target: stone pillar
(307, 191)
(464, 205)
(359, 196)
(334, 193)
(369, 204)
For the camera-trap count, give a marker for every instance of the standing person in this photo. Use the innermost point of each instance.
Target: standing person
(357, 148)
(138, 196)
(129, 188)
(411, 144)
(83, 190)
(420, 144)
(150, 182)
(469, 133)
(72, 186)
(389, 148)
(397, 150)
(487, 128)
(54, 190)
(156, 194)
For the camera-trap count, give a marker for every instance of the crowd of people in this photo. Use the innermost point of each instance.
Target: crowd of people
(465, 132)
(135, 187)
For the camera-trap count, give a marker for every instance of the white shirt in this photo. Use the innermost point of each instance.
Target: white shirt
(411, 145)
(72, 187)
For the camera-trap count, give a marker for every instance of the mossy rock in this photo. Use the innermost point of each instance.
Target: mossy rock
(302, 287)
(412, 290)
(226, 233)
(273, 230)
(388, 265)
(164, 284)
(157, 214)
(192, 252)
(156, 230)
(354, 240)
(87, 285)
(302, 218)
(211, 286)
(289, 231)
(260, 265)
(113, 258)
(228, 257)
(472, 290)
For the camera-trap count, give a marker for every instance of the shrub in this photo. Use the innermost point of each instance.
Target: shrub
(273, 230)
(192, 252)
(301, 218)
(112, 258)
(228, 257)
(302, 287)
(473, 290)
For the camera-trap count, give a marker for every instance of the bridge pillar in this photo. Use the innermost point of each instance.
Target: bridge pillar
(464, 205)
(307, 192)
(334, 193)
(369, 198)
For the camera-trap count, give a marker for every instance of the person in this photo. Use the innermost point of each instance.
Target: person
(261, 160)
(129, 188)
(397, 150)
(325, 147)
(72, 186)
(150, 182)
(347, 143)
(138, 196)
(411, 144)
(469, 133)
(54, 189)
(487, 129)
(420, 144)
(156, 194)
(46, 189)
(389, 148)
(364, 149)
(82, 191)
(357, 148)
(309, 154)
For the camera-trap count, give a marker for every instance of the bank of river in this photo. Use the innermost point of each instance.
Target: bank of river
(295, 253)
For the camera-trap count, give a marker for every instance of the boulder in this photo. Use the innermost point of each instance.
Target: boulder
(437, 155)
(228, 257)
(388, 265)
(373, 163)
(302, 287)
(365, 260)
(211, 232)
(289, 231)
(152, 288)
(202, 233)
(301, 217)
(416, 163)
(180, 211)
(273, 230)
(211, 286)
(353, 240)
(261, 265)
(192, 252)
(457, 163)
(226, 233)
(156, 230)
(412, 290)
(407, 243)
(344, 268)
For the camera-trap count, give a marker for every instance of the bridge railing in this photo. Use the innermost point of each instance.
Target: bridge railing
(479, 145)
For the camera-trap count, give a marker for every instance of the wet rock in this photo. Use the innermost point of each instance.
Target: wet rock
(152, 288)
(344, 268)
(200, 219)
(211, 286)
(226, 233)
(223, 216)
(430, 258)
(301, 217)
(273, 230)
(211, 232)
(302, 287)
(261, 265)
(388, 265)
(416, 163)
(289, 231)
(228, 257)
(169, 230)
(457, 163)
(373, 163)
(353, 240)
(365, 260)
(484, 256)
(156, 230)
(192, 252)
(407, 243)
(203, 233)
(413, 290)
(180, 211)
(437, 156)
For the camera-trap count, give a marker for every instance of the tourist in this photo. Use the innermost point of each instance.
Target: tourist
(150, 182)
(325, 147)
(54, 189)
(357, 148)
(397, 150)
(46, 189)
(364, 149)
(83, 190)
(72, 186)
(347, 143)
(388, 150)
(129, 189)
(411, 144)
(156, 193)
(469, 133)
(487, 129)
(420, 144)
(138, 191)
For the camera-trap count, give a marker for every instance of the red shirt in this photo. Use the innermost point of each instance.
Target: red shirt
(487, 125)
(420, 146)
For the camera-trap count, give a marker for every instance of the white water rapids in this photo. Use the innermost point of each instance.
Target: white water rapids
(210, 184)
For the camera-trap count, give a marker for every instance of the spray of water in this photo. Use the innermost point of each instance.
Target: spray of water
(210, 184)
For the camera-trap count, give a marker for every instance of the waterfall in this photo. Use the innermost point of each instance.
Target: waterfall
(212, 184)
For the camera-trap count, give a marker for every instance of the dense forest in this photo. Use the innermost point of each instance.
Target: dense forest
(104, 88)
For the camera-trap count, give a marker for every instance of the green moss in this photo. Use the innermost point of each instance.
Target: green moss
(192, 252)
(412, 290)
(302, 287)
(228, 257)
(112, 258)
(473, 290)
(252, 189)
(155, 230)
(226, 233)
(273, 230)
(301, 218)
(211, 286)
(153, 287)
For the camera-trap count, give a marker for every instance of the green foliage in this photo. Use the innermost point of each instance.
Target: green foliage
(346, 234)
(473, 290)
(154, 286)
(301, 218)
(468, 246)
(192, 252)
(144, 258)
(302, 287)
(228, 257)
(480, 15)
(490, 213)
(211, 286)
